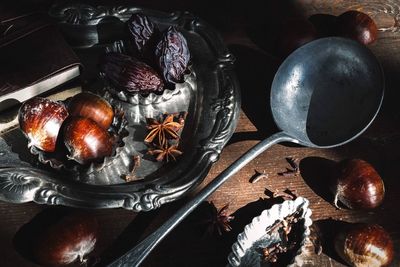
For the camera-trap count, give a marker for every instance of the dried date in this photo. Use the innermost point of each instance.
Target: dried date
(173, 55)
(130, 74)
(144, 33)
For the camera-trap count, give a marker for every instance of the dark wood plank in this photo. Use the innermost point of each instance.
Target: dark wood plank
(187, 245)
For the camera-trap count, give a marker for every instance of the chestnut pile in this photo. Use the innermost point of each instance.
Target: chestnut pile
(153, 58)
(81, 127)
(351, 24)
(357, 185)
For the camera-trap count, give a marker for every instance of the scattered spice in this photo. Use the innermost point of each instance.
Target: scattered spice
(161, 131)
(258, 176)
(288, 236)
(132, 175)
(219, 220)
(292, 193)
(315, 238)
(269, 193)
(166, 153)
(287, 194)
(270, 254)
(293, 162)
(164, 135)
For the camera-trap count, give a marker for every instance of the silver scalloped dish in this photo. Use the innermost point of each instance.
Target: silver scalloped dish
(210, 95)
(246, 250)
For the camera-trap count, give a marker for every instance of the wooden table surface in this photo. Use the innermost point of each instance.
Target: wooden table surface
(250, 32)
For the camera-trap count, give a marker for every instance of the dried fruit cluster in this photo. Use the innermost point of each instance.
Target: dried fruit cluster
(156, 58)
(164, 136)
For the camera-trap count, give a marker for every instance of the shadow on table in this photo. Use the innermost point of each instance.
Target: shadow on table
(195, 242)
(208, 247)
(327, 229)
(317, 173)
(128, 238)
(255, 72)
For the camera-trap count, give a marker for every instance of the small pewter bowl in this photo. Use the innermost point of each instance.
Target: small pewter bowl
(248, 250)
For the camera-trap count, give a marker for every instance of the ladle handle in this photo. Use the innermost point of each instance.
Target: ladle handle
(136, 255)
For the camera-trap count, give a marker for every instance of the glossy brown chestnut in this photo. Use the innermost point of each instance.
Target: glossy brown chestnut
(358, 185)
(92, 106)
(86, 141)
(293, 34)
(365, 245)
(40, 119)
(358, 26)
(68, 240)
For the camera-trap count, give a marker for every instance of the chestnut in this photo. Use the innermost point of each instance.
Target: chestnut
(67, 240)
(358, 26)
(40, 119)
(295, 33)
(365, 245)
(86, 141)
(92, 106)
(357, 185)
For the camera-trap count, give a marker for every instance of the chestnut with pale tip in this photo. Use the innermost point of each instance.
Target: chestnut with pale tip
(92, 106)
(70, 239)
(365, 245)
(86, 141)
(358, 26)
(40, 119)
(357, 185)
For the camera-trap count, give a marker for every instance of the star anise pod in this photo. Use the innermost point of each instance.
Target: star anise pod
(165, 153)
(220, 219)
(161, 131)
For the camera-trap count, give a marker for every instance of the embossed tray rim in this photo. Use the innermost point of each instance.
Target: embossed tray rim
(215, 121)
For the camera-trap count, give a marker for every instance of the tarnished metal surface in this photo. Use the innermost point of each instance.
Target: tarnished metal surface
(299, 92)
(246, 251)
(327, 92)
(210, 95)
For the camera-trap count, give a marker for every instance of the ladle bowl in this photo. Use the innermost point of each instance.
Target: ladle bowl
(325, 94)
(328, 92)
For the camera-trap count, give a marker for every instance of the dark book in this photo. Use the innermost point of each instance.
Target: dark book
(34, 59)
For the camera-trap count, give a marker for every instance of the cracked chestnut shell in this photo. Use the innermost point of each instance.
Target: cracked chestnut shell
(358, 185)
(365, 245)
(40, 119)
(358, 26)
(92, 106)
(68, 240)
(86, 141)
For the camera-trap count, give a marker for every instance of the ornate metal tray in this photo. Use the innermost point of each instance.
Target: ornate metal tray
(211, 100)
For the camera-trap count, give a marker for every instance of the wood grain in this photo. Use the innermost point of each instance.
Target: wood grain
(188, 245)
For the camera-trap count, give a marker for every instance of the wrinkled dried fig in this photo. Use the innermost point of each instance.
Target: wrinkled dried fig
(143, 33)
(130, 74)
(173, 55)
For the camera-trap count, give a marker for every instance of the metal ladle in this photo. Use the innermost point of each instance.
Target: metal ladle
(324, 94)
